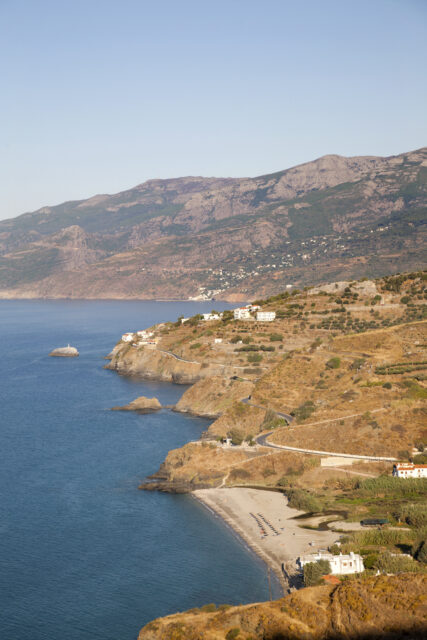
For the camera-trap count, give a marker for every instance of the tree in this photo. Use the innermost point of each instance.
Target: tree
(313, 572)
(236, 436)
(421, 553)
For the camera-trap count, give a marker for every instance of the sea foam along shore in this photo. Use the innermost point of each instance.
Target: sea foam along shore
(247, 509)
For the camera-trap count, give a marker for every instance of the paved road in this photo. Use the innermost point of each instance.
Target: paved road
(263, 441)
(169, 353)
(286, 416)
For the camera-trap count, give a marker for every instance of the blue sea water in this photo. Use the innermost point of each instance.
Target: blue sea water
(83, 553)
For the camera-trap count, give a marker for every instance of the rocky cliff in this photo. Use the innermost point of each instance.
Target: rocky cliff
(383, 607)
(212, 396)
(154, 364)
(333, 218)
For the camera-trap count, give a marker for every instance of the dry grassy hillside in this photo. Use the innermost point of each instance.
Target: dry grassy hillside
(386, 607)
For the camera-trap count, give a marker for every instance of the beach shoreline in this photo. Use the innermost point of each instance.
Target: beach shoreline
(282, 539)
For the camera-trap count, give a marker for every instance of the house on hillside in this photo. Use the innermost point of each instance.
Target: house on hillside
(211, 316)
(127, 337)
(144, 334)
(266, 316)
(409, 470)
(242, 313)
(340, 565)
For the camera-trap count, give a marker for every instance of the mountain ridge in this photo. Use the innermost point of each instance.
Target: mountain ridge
(213, 235)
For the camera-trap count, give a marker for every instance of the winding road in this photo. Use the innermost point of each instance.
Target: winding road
(263, 441)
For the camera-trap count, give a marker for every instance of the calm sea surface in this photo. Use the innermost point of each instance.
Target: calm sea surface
(83, 553)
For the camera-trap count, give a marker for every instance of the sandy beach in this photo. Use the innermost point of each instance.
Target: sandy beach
(266, 524)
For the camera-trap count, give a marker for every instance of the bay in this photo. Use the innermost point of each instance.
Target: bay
(83, 553)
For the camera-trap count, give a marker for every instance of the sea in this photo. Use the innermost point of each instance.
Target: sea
(83, 553)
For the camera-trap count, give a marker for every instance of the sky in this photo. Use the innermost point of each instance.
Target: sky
(97, 96)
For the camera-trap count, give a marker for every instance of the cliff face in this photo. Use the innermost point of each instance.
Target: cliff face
(196, 465)
(386, 607)
(212, 396)
(333, 218)
(153, 364)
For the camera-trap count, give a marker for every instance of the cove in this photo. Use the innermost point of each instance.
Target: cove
(84, 554)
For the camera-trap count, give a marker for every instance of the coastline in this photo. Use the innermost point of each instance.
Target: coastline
(242, 509)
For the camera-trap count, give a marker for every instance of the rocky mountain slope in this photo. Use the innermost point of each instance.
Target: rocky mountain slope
(328, 219)
(382, 607)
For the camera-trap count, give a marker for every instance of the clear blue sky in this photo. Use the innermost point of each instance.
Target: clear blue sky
(99, 95)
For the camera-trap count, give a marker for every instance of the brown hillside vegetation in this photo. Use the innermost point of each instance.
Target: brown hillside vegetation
(383, 607)
(346, 378)
(211, 396)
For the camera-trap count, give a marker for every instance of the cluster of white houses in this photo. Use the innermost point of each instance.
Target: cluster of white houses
(409, 470)
(245, 313)
(140, 337)
(249, 312)
(340, 564)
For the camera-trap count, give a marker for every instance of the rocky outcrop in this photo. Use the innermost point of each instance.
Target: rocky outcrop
(154, 364)
(211, 396)
(196, 465)
(65, 352)
(386, 607)
(141, 404)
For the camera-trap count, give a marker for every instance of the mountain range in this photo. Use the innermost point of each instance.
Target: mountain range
(335, 218)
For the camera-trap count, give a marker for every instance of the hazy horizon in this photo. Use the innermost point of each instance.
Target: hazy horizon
(99, 98)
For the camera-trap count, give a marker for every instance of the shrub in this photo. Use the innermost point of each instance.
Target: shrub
(333, 363)
(388, 563)
(232, 633)
(236, 339)
(370, 560)
(254, 357)
(236, 436)
(276, 337)
(387, 385)
(196, 345)
(304, 411)
(304, 501)
(357, 364)
(413, 514)
(313, 572)
(421, 552)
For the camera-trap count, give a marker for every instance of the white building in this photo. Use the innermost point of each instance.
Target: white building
(211, 316)
(409, 470)
(145, 335)
(218, 340)
(266, 316)
(340, 565)
(242, 313)
(127, 337)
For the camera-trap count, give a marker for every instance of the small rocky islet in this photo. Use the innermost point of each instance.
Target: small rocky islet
(65, 352)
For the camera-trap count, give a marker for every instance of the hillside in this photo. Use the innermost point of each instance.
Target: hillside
(330, 219)
(384, 607)
(346, 360)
